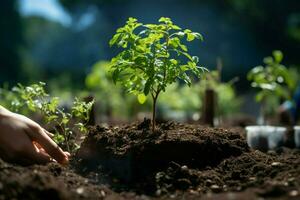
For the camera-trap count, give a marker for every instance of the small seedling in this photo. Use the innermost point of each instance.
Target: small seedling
(273, 80)
(152, 58)
(37, 100)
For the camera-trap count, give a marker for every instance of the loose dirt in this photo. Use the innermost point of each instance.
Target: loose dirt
(178, 161)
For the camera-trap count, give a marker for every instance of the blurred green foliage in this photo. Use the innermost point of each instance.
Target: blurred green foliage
(179, 102)
(273, 79)
(110, 98)
(275, 82)
(227, 101)
(8, 99)
(190, 100)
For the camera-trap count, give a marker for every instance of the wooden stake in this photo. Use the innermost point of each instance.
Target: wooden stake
(209, 107)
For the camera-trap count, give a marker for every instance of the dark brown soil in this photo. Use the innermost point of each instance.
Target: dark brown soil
(134, 154)
(175, 162)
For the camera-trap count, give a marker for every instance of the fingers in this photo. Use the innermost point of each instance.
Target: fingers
(48, 133)
(36, 156)
(67, 153)
(25, 152)
(39, 135)
(40, 148)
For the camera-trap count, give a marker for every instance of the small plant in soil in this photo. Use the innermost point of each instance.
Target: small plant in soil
(35, 98)
(153, 56)
(273, 81)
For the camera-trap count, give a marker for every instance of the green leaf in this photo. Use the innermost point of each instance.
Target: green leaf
(53, 104)
(131, 20)
(58, 138)
(173, 61)
(142, 98)
(195, 59)
(147, 86)
(175, 27)
(183, 47)
(65, 120)
(165, 20)
(190, 37)
(187, 31)
(202, 69)
(51, 118)
(187, 55)
(198, 36)
(260, 96)
(268, 60)
(278, 56)
(115, 39)
(115, 75)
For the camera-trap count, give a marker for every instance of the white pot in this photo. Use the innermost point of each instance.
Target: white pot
(265, 137)
(277, 137)
(297, 136)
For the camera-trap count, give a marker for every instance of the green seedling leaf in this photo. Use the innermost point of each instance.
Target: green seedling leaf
(142, 98)
(278, 56)
(190, 37)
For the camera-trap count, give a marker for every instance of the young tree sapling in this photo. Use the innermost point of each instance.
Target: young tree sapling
(152, 58)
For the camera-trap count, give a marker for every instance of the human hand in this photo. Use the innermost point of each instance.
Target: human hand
(25, 142)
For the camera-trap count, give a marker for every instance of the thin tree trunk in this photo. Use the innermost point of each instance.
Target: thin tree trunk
(154, 97)
(209, 107)
(154, 113)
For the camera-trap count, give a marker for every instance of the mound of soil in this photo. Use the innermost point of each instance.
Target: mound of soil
(175, 162)
(133, 154)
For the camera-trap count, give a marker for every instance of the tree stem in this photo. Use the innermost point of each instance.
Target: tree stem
(154, 97)
(66, 137)
(153, 114)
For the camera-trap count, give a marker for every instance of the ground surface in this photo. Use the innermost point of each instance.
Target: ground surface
(176, 162)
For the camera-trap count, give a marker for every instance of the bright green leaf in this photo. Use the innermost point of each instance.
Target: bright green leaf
(142, 98)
